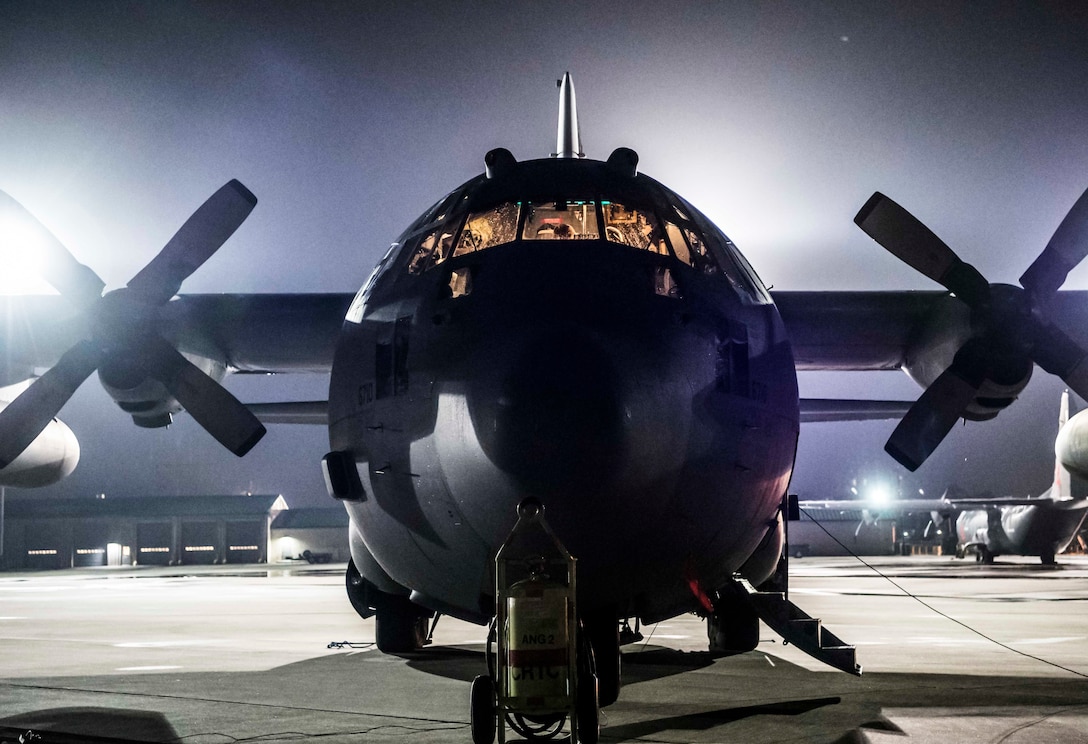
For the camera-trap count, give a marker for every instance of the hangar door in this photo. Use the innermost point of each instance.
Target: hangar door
(46, 546)
(245, 542)
(200, 543)
(89, 544)
(154, 541)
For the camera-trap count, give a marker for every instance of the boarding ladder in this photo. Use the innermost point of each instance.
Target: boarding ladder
(798, 628)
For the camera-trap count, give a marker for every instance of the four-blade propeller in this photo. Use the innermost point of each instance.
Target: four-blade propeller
(1011, 327)
(121, 333)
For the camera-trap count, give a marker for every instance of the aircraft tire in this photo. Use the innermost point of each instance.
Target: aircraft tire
(603, 633)
(735, 631)
(400, 626)
(1047, 559)
(482, 710)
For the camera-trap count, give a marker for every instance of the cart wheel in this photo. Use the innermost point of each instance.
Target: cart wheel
(588, 710)
(482, 710)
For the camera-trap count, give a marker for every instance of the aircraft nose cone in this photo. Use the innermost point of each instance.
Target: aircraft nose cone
(553, 418)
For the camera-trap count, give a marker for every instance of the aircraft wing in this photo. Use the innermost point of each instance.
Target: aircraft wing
(277, 333)
(293, 412)
(918, 506)
(262, 333)
(247, 333)
(297, 332)
(857, 331)
(818, 410)
(854, 330)
(895, 508)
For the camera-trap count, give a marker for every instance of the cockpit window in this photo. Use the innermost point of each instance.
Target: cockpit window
(679, 244)
(701, 257)
(432, 250)
(713, 253)
(485, 229)
(756, 285)
(638, 228)
(560, 220)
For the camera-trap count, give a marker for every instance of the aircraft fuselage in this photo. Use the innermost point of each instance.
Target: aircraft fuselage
(1044, 530)
(565, 331)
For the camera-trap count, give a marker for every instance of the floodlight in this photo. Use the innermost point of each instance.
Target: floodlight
(878, 494)
(21, 253)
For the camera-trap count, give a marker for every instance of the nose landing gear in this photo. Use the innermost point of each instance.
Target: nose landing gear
(400, 625)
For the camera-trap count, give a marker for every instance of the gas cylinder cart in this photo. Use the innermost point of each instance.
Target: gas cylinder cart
(541, 674)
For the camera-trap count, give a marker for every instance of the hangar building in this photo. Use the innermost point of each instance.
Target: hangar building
(313, 535)
(165, 530)
(158, 530)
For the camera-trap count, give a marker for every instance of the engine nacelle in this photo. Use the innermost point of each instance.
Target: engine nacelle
(994, 397)
(51, 457)
(935, 346)
(1071, 446)
(146, 399)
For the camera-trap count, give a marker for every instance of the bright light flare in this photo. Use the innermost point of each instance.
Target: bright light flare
(22, 253)
(878, 495)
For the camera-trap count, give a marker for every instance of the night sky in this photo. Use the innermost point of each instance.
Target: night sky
(777, 119)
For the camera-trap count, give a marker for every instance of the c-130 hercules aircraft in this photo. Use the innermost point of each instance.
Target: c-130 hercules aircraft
(563, 329)
(989, 526)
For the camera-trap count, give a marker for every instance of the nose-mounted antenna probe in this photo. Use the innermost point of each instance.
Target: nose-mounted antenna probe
(568, 142)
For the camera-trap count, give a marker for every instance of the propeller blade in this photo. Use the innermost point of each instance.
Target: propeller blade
(1058, 354)
(28, 415)
(200, 237)
(1066, 249)
(75, 281)
(905, 237)
(220, 413)
(934, 414)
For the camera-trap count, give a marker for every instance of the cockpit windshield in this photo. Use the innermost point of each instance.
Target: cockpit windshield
(665, 229)
(496, 226)
(560, 220)
(638, 228)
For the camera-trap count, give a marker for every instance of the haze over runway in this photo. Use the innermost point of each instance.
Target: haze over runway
(776, 119)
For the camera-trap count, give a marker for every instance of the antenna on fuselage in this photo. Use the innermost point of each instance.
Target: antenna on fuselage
(568, 142)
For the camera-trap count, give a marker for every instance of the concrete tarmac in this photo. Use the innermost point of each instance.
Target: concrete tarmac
(225, 654)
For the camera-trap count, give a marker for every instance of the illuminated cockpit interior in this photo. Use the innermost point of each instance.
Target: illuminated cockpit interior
(647, 218)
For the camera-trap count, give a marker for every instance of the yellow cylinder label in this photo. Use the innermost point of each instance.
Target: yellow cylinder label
(538, 655)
